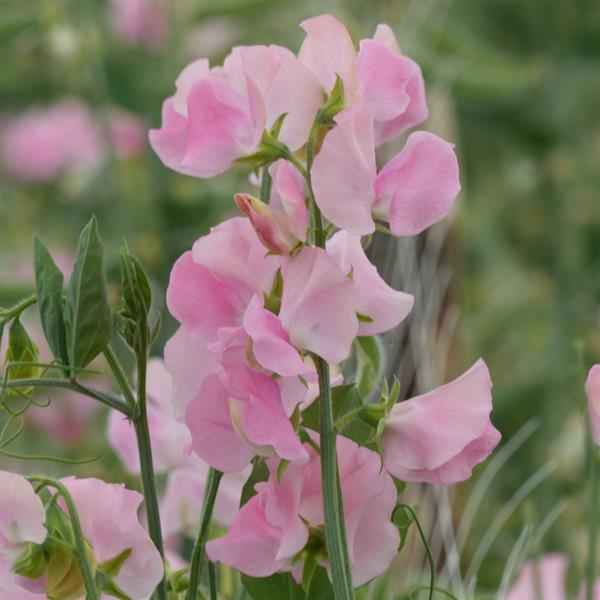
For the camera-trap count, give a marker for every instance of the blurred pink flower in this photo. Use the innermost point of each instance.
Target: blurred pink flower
(141, 22)
(548, 572)
(127, 132)
(274, 526)
(592, 389)
(43, 143)
(414, 190)
(440, 436)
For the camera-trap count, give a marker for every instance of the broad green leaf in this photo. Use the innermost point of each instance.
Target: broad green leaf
(49, 290)
(260, 472)
(280, 586)
(369, 362)
(88, 317)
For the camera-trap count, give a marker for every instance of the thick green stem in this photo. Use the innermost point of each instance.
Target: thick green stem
(210, 494)
(594, 515)
(142, 433)
(107, 398)
(91, 593)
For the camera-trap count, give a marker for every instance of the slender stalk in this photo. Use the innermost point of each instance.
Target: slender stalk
(208, 503)
(594, 516)
(335, 531)
(119, 375)
(8, 313)
(212, 581)
(91, 593)
(142, 434)
(107, 398)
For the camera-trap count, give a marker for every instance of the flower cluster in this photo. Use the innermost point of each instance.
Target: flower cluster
(260, 300)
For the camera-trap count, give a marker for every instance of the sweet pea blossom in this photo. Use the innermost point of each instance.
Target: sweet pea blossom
(21, 518)
(373, 297)
(219, 115)
(440, 436)
(45, 142)
(274, 526)
(549, 571)
(111, 526)
(414, 190)
(379, 75)
(592, 389)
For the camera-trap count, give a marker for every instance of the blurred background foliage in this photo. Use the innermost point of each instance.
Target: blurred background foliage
(514, 84)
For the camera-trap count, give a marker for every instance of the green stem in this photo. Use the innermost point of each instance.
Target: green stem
(142, 434)
(265, 186)
(86, 573)
(430, 559)
(107, 398)
(119, 375)
(208, 503)
(6, 314)
(212, 581)
(594, 515)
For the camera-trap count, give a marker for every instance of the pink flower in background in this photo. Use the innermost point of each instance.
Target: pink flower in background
(112, 526)
(141, 22)
(182, 501)
(549, 571)
(22, 518)
(414, 190)
(440, 436)
(592, 389)
(219, 115)
(273, 526)
(43, 143)
(170, 438)
(127, 133)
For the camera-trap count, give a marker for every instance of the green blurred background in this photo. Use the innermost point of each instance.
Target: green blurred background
(515, 85)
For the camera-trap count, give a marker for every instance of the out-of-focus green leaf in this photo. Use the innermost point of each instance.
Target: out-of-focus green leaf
(369, 362)
(88, 317)
(281, 586)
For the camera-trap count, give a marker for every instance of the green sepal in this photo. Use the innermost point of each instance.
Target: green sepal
(402, 519)
(281, 467)
(259, 473)
(21, 348)
(272, 300)
(308, 570)
(369, 364)
(32, 562)
(333, 104)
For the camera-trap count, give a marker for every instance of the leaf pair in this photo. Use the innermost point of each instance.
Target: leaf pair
(77, 329)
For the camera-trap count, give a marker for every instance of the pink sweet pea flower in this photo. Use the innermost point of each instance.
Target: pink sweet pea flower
(127, 133)
(373, 297)
(592, 389)
(170, 438)
(549, 572)
(182, 502)
(22, 518)
(273, 526)
(440, 436)
(111, 526)
(413, 191)
(141, 22)
(43, 143)
(219, 115)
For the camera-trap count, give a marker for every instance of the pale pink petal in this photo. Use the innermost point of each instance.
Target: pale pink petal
(112, 526)
(289, 193)
(592, 389)
(328, 51)
(22, 516)
(184, 82)
(417, 188)
(385, 35)
(317, 309)
(372, 296)
(214, 438)
(270, 343)
(201, 302)
(383, 77)
(440, 436)
(343, 173)
(188, 362)
(550, 571)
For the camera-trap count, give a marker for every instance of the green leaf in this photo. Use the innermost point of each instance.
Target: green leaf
(49, 289)
(308, 570)
(320, 586)
(260, 472)
(21, 349)
(280, 586)
(369, 364)
(88, 317)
